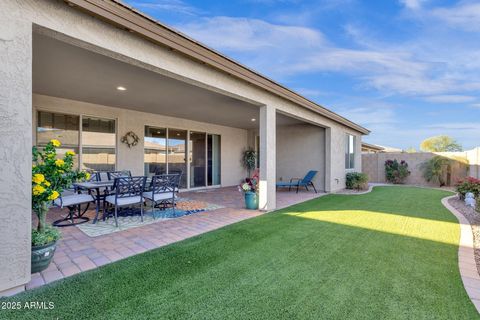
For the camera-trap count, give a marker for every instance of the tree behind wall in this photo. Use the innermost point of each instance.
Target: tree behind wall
(440, 144)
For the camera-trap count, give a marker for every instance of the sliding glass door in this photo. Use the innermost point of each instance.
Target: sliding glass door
(213, 159)
(166, 152)
(197, 159)
(177, 154)
(155, 154)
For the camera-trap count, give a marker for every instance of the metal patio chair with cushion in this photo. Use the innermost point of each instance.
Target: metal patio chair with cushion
(300, 182)
(128, 192)
(73, 200)
(162, 191)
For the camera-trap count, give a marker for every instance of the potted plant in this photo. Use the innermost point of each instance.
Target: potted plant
(249, 160)
(250, 191)
(50, 176)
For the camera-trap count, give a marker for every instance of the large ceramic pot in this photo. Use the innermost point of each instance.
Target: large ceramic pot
(42, 256)
(251, 200)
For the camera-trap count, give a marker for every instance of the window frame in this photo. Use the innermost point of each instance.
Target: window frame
(80, 130)
(350, 144)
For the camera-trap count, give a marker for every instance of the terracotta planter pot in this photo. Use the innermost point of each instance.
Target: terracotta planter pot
(42, 256)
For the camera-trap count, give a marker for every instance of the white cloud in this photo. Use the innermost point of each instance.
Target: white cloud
(475, 105)
(283, 50)
(177, 6)
(463, 15)
(452, 98)
(412, 4)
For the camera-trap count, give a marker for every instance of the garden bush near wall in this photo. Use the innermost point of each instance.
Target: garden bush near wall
(357, 180)
(396, 172)
(469, 184)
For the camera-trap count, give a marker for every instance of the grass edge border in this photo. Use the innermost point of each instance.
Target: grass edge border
(466, 255)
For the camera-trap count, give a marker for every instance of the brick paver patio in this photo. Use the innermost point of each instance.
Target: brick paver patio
(77, 252)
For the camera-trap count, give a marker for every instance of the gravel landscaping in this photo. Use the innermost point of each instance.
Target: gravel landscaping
(474, 218)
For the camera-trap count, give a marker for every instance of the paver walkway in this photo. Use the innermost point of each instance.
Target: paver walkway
(77, 252)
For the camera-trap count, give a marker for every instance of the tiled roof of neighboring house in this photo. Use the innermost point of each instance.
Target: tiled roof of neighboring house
(124, 16)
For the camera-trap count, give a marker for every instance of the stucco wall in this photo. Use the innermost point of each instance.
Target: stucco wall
(90, 33)
(374, 166)
(57, 19)
(301, 148)
(233, 140)
(15, 151)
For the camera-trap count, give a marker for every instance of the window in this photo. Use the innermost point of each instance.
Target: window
(95, 144)
(62, 127)
(155, 154)
(98, 144)
(350, 152)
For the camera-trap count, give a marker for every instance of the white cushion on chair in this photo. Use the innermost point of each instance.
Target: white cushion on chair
(124, 201)
(158, 196)
(73, 200)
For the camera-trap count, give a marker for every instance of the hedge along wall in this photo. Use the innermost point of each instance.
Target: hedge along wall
(373, 165)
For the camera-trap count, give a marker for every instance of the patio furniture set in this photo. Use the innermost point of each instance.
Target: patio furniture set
(117, 193)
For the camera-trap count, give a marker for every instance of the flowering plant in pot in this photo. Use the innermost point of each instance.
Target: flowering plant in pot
(250, 191)
(50, 176)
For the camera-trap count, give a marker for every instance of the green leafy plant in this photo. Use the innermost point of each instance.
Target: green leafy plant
(469, 184)
(436, 170)
(50, 176)
(249, 160)
(396, 172)
(357, 181)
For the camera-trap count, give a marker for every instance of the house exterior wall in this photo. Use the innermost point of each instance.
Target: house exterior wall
(233, 140)
(301, 148)
(15, 152)
(57, 19)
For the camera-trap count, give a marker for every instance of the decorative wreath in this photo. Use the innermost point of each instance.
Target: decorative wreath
(130, 139)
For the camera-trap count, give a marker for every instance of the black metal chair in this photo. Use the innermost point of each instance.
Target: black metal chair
(118, 174)
(73, 201)
(162, 191)
(128, 192)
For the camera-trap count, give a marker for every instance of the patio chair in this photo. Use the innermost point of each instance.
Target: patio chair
(128, 192)
(162, 191)
(72, 201)
(300, 182)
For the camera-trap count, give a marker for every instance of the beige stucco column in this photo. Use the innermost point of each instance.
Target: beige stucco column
(15, 152)
(267, 194)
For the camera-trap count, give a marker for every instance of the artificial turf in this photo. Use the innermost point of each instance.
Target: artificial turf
(389, 254)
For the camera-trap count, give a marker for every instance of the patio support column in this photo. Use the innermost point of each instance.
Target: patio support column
(267, 192)
(15, 153)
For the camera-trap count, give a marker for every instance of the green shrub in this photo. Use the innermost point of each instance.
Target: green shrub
(357, 180)
(396, 172)
(469, 184)
(437, 170)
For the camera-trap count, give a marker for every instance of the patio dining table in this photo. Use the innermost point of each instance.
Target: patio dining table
(97, 186)
(94, 185)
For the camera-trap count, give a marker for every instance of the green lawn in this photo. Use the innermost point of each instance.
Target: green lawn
(390, 254)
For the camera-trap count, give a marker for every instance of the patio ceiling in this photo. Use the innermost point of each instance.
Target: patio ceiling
(67, 71)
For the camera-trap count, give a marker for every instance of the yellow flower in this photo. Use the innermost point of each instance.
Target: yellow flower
(54, 195)
(59, 162)
(38, 190)
(55, 143)
(70, 153)
(33, 166)
(38, 178)
(46, 183)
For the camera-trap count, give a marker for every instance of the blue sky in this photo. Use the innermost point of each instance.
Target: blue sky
(405, 69)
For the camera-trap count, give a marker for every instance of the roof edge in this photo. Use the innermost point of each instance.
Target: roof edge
(121, 15)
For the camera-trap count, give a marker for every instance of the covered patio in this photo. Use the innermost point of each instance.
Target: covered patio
(78, 252)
